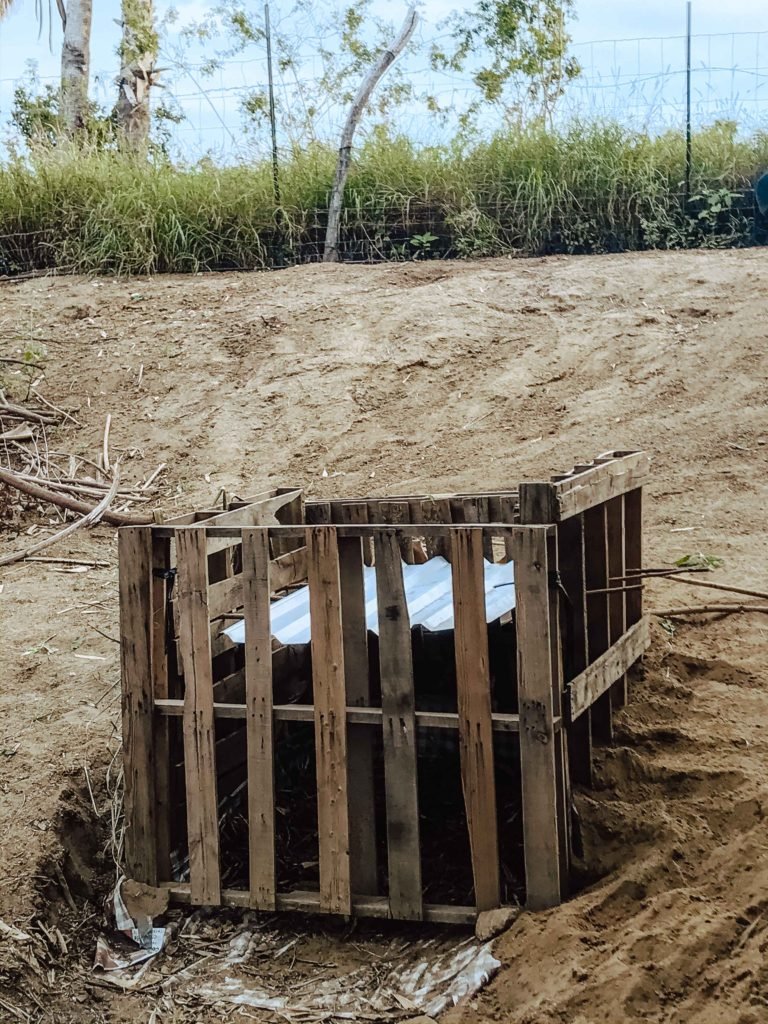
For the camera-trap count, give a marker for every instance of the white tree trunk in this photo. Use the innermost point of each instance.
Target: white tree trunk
(75, 65)
(331, 249)
(138, 53)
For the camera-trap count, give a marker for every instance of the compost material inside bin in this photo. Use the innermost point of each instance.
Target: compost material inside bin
(428, 595)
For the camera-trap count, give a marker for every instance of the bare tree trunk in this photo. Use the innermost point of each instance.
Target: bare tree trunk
(138, 53)
(331, 250)
(75, 65)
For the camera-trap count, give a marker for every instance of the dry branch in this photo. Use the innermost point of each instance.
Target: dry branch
(65, 501)
(720, 586)
(723, 609)
(89, 519)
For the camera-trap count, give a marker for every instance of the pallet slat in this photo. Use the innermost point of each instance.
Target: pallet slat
(537, 734)
(259, 733)
(355, 715)
(399, 729)
(161, 564)
(598, 630)
(136, 587)
(362, 848)
(617, 610)
(475, 729)
(330, 720)
(198, 723)
(597, 678)
(572, 560)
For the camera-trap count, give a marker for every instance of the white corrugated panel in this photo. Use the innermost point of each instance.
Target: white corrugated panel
(428, 594)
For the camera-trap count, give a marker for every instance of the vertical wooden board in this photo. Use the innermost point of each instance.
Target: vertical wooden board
(437, 510)
(598, 636)
(135, 589)
(399, 728)
(330, 719)
(617, 615)
(395, 512)
(571, 554)
(161, 565)
(292, 513)
(198, 725)
(318, 513)
(357, 512)
(362, 838)
(538, 766)
(633, 552)
(259, 737)
(562, 772)
(474, 700)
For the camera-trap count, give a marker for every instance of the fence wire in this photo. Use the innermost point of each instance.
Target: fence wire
(636, 82)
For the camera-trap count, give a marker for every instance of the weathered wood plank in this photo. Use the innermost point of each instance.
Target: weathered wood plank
(399, 730)
(474, 701)
(537, 733)
(501, 722)
(598, 677)
(309, 903)
(598, 484)
(285, 571)
(617, 612)
(633, 551)
(161, 564)
(330, 719)
(571, 551)
(259, 738)
(598, 635)
(198, 727)
(357, 512)
(362, 849)
(398, 513)
(136, 616)
(436, 510)
(562, 773)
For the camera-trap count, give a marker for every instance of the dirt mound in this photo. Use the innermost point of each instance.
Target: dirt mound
(372, 380)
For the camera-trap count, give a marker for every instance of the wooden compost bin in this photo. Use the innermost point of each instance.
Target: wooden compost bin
(204, 719)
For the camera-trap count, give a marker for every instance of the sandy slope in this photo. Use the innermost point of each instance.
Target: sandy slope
(441, 376)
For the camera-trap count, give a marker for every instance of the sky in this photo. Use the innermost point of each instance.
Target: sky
(642, 77)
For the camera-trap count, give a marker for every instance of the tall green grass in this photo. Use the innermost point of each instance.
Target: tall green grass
(591, 188)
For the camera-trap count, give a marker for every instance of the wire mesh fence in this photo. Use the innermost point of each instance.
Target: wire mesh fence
(605, 173)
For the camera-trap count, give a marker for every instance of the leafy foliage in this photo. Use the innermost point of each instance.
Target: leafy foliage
(517, 51)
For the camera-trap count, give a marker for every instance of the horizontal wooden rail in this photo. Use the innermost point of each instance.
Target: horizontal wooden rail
(355, 716)
(503, 530)
(569, 494)
(309, 903)
(595, 680)
(285, 571)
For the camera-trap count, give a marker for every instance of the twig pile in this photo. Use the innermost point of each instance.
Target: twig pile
(71, 483)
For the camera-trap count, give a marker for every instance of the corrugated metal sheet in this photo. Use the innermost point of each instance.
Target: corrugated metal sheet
(428, 594)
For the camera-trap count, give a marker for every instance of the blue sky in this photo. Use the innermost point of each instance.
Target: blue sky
(618, 78)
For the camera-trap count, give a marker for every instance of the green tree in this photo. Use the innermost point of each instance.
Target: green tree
(516, 53)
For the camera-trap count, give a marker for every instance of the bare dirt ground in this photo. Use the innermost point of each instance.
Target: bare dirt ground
(427, 377)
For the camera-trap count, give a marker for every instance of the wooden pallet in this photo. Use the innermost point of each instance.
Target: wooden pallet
(574, 541)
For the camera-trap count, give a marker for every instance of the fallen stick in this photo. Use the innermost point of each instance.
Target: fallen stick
(702, 608)
(19, 412)
(71, 561)
(72, 504)
(152, 477)
(62, 412)
(105, 443)
(89, 519)
(719, 586)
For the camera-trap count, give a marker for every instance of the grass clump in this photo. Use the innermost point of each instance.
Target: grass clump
(590, 188)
